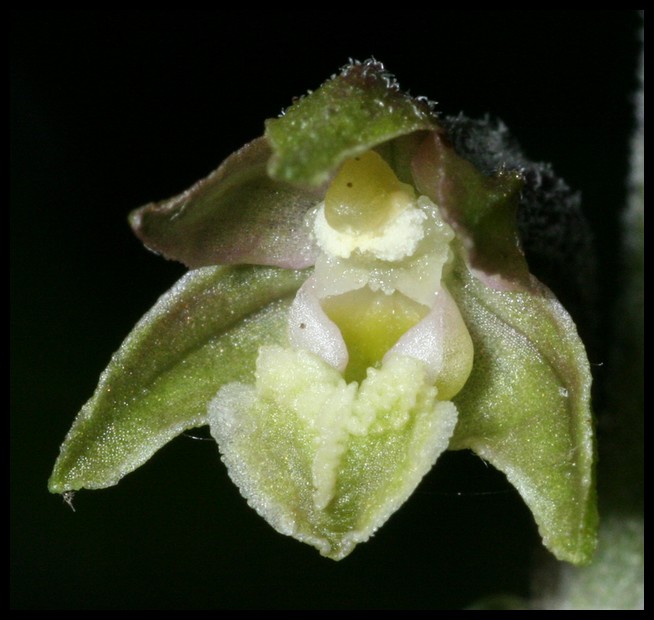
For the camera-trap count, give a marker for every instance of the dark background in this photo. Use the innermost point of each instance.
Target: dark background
(110, 110)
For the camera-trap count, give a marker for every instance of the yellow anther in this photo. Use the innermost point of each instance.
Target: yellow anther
(365, 195)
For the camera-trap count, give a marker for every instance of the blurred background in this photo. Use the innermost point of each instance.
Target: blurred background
(110, 110)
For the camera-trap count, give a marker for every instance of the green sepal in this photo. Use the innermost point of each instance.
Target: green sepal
(203, 333)
(526, 407)
(352, 112)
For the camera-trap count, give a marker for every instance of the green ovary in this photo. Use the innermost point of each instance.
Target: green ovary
(371, 322)
(324, 461)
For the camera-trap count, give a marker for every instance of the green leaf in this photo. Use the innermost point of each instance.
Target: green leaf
(203, 333)
(481, 209)
(236, 215)
(526, 407)
(352, 112)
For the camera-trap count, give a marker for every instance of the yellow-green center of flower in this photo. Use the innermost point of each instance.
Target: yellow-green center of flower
(371, 322)
(369, 211)
(365, 195)
(380, 272)
(341, 425)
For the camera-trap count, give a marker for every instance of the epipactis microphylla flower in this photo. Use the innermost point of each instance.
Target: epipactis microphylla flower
(358, 302)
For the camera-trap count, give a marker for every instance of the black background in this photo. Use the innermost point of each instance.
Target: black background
(110, 110)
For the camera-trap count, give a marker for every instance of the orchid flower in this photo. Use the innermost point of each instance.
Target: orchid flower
(358, 302)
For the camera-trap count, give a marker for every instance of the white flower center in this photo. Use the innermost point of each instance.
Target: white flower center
(394, 241)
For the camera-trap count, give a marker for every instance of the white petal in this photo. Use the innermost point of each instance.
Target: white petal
(442, 342)
(309, 328)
